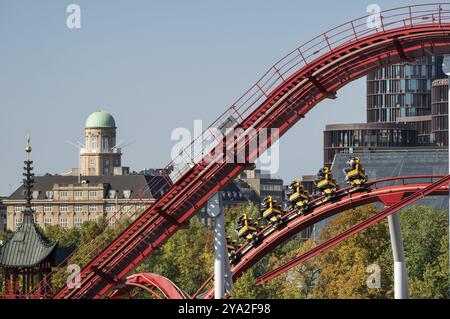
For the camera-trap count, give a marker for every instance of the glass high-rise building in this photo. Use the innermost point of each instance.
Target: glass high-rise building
(439, 112)
(401, 93)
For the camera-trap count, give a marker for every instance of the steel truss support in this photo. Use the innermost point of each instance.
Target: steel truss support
(341, 237)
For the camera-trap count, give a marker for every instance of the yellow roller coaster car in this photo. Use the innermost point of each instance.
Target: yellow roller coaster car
(246, 228)
(298, 197)
(231, 246)
(326, 183)
(271, 212)
(355, 173)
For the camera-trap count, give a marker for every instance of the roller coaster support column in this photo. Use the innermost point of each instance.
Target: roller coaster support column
(446, 69)
(400, 274)
(222, 272)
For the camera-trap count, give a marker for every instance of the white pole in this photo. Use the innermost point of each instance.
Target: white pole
(400, 273)
(446, 69)
(215, 210)
(219, 249)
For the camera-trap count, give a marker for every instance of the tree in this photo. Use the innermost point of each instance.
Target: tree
(343, 267)
(186, 258)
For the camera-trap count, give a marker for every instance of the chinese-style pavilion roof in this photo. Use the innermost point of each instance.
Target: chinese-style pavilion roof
(27, 247)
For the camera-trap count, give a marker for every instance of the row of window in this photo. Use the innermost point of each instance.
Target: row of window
(79, 194)
(63, 208)
(273, 188)
(421, 69)
(63, 222)
(399, 100)
(399, 86)
(92, 143)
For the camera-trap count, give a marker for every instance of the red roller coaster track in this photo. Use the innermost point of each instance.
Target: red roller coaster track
(283, 96)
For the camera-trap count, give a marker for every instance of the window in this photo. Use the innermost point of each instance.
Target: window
(49, 194)
(78, 194)
(92, 208)
(106, 167)
(110, 208)
(63, 208)
(92, 193)
(126, 193)
(47, 222)
(106, 143)
(78, 208)
(33, 207)
(92, 163)
(111, 222)
(94, 143)
(64, 194)
(35, 194)
(17, 208)
(47, 208)
(63, 222)
(78, 222)
(112, 193)
(19, 221)
(126, 209)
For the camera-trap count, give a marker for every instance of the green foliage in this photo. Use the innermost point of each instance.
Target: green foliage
(186, 258)
(424, 231)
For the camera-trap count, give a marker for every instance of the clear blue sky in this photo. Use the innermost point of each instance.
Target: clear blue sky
(155, 65)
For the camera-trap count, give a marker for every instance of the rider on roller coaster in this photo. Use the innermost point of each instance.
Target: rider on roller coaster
(355, 174)
(326, 183)
(298, 196)
(271, 212)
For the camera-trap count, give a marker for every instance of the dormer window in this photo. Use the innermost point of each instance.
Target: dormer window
(35, 194)
(112, 193)
(49, 194)
(127, 194)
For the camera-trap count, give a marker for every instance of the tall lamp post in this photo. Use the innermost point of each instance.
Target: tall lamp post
(446, 69)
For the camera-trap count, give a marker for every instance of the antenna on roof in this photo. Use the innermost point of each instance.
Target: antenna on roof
(122, 144)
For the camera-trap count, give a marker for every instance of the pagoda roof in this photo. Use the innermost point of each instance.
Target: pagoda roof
(27, 247)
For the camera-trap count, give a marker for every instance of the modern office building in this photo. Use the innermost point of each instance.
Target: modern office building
(399, 111)
(349, 138)
(439, 112)
(401, 93)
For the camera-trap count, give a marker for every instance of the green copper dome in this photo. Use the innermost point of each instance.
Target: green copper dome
(100, 119)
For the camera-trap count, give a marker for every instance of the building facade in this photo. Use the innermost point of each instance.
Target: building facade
(263, 184)
(61, 200)
(350, 138)
(439, 112)
(2, 214)
(401, 93)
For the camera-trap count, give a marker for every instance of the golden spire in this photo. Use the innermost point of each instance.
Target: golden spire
(28, 148)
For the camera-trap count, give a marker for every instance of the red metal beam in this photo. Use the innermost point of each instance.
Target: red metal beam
(341, 237)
